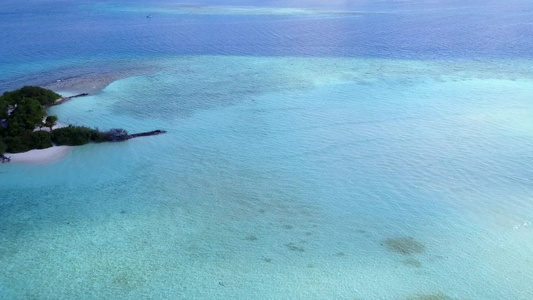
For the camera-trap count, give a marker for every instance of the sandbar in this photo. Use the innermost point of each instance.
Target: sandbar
(40, 156)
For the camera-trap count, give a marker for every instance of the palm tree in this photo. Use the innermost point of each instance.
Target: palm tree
(50, 121)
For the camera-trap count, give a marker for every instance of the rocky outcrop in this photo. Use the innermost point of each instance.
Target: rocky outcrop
(4, 159)
(149, 133)
(118, 135)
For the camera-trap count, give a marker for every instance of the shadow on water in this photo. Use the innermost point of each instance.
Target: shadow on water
(404, 245)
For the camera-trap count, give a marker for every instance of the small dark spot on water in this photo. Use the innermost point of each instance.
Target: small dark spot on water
(127, 280)
(31, 296)
(7, 252)
(360, 231)
(310, 266)
(404, 245)
(251, 237)
(221, 283)
(438, 296)
(410, 262)
(267, 259)
(287, 227)
(294, 247)
(262, 210)
(123, 211)
(308, 233)
(340, 254)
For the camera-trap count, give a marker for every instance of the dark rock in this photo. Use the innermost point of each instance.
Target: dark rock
(5, 159)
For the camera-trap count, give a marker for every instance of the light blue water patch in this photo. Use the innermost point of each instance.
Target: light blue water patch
(304, 180)
(296, 166)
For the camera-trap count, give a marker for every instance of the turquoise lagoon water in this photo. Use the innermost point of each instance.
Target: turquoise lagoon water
(280, 177)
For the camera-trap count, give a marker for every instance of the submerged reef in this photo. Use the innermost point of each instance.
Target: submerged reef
(251, 237)
(404, 245)
(438, 296)
(293, 247)
(410, 262)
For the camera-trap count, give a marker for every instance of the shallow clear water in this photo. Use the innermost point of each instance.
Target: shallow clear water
(286, 173)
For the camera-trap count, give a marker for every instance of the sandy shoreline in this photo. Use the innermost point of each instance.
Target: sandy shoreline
(93, 82)
(40, 156)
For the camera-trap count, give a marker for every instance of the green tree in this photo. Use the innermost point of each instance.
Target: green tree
(3, 147)
(50, 122)
(15, 128)
(77, 135)
(117, 134)
(20, 143)
(72, 135)
(28, 114)
(44, 96)
(33, 112)
(3, 108)
(40, 140)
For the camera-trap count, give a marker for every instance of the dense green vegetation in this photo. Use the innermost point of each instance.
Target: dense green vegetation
(3, 147)
(22, 118)
(40, 140)
(77, 135)
(22, 111)
(3, 108)
(44, 96)
(28, 141)
(27, 115)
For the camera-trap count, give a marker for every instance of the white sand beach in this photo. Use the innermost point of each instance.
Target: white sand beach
(56, 126)
(40, 156)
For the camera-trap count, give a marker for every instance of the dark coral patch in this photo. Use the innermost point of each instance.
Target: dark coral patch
(404, 245)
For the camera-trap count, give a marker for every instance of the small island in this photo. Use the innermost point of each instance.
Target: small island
(25, 126)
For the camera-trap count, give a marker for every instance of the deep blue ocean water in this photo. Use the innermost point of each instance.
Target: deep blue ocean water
(315, 150)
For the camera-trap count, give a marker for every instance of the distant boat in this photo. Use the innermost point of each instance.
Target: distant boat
(149, 16)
